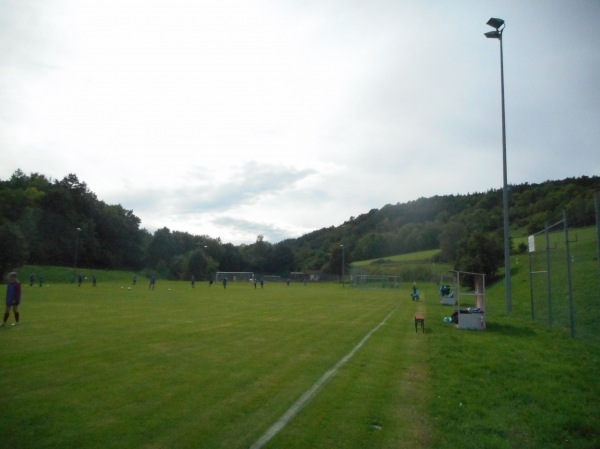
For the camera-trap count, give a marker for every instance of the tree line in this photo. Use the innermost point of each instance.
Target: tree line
(63, 223)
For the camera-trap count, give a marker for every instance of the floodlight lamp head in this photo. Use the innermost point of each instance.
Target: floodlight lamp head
(493, 34)
(495, 23)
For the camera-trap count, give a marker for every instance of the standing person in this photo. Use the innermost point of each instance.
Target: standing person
(31, 279)
(415, 292)
(193, 281)
(13, 298)
(79, 280)
(93, 280)
(152, 282)
(224, 282)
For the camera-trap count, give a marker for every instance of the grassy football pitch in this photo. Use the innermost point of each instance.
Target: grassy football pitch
(117, 366)
(316, 366)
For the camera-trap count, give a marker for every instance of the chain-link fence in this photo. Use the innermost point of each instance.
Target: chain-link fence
(564, 279)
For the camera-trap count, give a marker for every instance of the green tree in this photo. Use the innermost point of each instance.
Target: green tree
(258, 255)
(338, 257)
(307, 259)
(451, 235)
(160, 248)
(232, 259)
(14, 247)
(480, 252)
(282, 259)
(200, 265)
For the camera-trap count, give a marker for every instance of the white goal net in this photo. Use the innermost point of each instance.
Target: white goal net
(373, 281)
(234, 276)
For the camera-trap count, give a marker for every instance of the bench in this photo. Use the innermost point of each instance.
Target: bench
(420, 319)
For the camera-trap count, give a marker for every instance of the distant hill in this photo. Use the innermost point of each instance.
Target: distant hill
(429, 223)
(62, 223)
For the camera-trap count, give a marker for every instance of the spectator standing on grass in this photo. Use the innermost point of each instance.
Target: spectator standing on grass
(415, 292)
(31, 279)
(13, 298)
(193, 281)
(93, 280)
(134, 279)
(79, 280)
(152, 282)
(225, 282)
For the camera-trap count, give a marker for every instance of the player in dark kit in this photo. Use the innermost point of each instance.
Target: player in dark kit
(13, 298)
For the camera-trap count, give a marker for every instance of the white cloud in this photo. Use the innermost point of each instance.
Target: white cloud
(234, 118)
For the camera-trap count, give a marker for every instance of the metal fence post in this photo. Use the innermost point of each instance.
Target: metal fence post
(569, 283)
(549, 275)
(531, 282)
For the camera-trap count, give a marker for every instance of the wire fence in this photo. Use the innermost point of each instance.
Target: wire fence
(564, 279)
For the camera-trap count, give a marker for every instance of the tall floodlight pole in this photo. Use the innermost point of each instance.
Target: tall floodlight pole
(499, 25)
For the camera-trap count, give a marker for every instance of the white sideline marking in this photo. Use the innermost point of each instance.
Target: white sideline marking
(294, 409)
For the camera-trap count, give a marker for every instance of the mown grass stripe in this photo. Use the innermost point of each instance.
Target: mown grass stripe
(308, 395)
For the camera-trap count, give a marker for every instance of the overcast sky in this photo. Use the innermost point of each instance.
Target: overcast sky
(239, 118)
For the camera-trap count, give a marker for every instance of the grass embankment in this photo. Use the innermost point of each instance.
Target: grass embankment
(516, 385)
(521, 383)
(421, 256)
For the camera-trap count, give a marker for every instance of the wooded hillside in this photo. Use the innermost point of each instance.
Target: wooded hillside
(61, 222)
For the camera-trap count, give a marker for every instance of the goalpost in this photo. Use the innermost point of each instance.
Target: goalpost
(270, 278)
(298, 276)
(234, 276)
(375, 281)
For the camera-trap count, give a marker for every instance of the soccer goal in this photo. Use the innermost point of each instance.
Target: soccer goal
(298, 276)
(234, 276)
(375, 281)
(270, 278)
